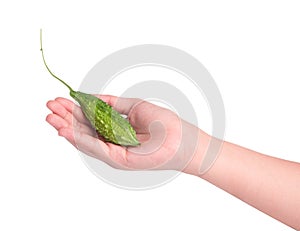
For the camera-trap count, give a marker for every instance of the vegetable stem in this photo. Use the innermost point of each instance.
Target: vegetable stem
(71, 90)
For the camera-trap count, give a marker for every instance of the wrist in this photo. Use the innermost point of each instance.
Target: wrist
(197, 153)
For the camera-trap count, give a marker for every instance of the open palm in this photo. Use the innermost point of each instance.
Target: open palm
(160, 132)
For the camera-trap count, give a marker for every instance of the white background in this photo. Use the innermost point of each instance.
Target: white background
(252, 50)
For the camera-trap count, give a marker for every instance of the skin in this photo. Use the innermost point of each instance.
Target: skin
(269, 184)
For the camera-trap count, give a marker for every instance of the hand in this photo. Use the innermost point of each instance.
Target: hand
(165, 138)
(168, 142)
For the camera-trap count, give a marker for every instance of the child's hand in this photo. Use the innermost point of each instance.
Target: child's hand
(161, 132)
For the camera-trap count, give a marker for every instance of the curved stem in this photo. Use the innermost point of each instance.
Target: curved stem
(71, 90)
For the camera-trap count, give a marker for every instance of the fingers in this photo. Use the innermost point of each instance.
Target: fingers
(84, 142)
(72, 109)
(60, 111)
(80, 135)
(56, 121)
(62, 117)
(90, 145)
(67, 133)
(122, 105)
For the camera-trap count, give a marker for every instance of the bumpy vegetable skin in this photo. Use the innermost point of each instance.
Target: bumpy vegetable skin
(103, 118)
(107, 122)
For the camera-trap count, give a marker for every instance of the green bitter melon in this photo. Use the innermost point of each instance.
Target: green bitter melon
(103, 118)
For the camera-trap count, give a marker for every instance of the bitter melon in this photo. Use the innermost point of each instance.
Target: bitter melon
(103, 118)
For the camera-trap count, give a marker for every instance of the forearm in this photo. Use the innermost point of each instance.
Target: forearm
(269, 184)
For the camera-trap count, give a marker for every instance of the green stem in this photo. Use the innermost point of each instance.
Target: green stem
(71, 90)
